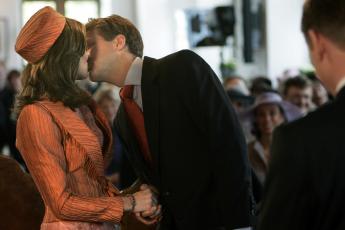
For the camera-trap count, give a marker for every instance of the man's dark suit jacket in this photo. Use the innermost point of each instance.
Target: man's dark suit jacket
(306, 183)
(201, 163)
(21, 206)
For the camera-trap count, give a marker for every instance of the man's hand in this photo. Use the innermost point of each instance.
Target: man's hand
(153, 214)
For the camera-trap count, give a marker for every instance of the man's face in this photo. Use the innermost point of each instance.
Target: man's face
(301, 97)
(102, 57)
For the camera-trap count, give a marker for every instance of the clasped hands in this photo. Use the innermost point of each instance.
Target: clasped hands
(144, 205)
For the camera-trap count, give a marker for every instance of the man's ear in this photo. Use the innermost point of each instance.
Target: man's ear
(119, 42)
(317, 44)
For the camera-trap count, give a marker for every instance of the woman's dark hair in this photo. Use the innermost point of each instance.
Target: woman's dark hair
(54, 76)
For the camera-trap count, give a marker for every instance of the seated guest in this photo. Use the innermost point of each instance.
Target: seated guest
(267, 113)
(21, 206)
(298, 91)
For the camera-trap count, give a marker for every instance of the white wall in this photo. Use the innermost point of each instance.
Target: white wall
(157, 24)
(156, 21)
(259, 65)
(125, 8)
(11, 11)
(286, 47)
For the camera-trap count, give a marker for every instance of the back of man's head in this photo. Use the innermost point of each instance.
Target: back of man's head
(114, 25)
(326, 17)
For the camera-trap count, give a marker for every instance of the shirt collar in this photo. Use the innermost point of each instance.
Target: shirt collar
(135, 72)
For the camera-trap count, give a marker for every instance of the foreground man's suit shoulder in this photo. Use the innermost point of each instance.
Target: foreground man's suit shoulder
(305, 185)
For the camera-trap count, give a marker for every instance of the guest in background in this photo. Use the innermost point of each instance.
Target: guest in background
(109, 105)
(8, 95)
(236, 83)
(241, 103)
(298, 91)
(320, 94)
(268, 112)
(260, 85)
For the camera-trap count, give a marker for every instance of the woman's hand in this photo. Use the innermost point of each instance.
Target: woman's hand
(141, 201)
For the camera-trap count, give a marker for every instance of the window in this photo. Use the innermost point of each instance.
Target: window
(80, 10)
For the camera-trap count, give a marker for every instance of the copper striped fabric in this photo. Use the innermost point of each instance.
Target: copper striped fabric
(65, 160)
(39, 34)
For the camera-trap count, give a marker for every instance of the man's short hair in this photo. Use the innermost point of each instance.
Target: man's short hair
(326, 17)
(114, 25)
(300, 82)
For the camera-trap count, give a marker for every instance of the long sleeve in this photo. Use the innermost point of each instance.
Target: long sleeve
(40, 142)
(221, 127)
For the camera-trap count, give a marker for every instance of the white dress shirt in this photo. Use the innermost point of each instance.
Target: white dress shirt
(133, 77)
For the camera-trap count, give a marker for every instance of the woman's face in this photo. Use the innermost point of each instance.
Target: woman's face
(268, 117)
(83, 72)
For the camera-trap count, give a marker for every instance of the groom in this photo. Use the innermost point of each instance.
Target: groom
(178, 128)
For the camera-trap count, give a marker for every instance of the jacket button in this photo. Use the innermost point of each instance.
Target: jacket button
(166, 193)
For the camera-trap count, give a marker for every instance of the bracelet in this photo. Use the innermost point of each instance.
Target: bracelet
(133, 202)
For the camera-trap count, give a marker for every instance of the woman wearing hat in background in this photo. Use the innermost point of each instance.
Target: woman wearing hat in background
(64, 138)
(268, 112)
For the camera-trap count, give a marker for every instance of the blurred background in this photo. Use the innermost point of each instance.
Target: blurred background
(243, 37)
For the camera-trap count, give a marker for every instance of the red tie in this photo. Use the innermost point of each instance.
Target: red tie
(136, 120)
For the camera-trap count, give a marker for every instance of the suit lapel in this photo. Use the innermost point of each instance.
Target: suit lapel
(131, 146)
(78, 130)
(150, 96)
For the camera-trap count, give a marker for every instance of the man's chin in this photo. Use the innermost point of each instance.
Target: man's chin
(93, 76)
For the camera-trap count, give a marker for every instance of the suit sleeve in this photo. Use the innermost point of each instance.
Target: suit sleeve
(286, 193)
(39, 141)
(229, 160)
